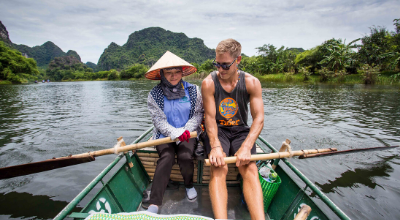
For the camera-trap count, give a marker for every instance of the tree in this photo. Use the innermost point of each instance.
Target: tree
(374, 46)
(273, 60)
(15, 67)
(136, 71)
(249, 64)
(340, 54)
(207, 66)
(310, 59)
(68, 68)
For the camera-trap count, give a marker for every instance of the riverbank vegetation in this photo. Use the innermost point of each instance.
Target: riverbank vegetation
(14, 67)
(372, 59)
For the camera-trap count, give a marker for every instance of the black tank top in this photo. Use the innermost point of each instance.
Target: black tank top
(231, 107)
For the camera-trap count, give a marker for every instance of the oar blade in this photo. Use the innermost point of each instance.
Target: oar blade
(37, 167)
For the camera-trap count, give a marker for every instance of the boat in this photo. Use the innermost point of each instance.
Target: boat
(122, 190)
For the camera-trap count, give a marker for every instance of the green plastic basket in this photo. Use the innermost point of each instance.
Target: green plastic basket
(269, 190)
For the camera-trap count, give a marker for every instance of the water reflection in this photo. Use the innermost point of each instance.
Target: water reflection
(364, 176)
(22, 205)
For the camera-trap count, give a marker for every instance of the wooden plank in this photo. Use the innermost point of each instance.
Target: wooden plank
(147, 154)
(177, 176)
(174, 167)
(147, 163)
(153, 170)
(149, 159)
(179, 179)
(153, 159)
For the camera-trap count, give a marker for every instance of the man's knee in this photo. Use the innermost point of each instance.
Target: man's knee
(219, 172)
(249, 169)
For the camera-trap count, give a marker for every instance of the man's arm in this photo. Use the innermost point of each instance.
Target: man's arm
(217, 154)
(253, 86)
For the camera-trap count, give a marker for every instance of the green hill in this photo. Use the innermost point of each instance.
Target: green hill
(92, 65)
(148, 45)
(43, 54)
(73, 53)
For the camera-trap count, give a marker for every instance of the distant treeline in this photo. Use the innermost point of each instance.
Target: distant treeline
(377, 52)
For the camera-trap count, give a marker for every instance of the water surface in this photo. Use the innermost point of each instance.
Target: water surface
(41, 121)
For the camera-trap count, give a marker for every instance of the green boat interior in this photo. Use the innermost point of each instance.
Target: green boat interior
(176, 202)
(123, 192)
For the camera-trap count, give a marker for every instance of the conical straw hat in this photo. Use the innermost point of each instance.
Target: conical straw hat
(169, 60)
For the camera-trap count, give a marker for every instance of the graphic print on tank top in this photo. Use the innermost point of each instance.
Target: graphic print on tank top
(228, 108)
(231, 107)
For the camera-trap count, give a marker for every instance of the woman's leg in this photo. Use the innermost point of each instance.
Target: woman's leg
(162, 173)
(184, 152)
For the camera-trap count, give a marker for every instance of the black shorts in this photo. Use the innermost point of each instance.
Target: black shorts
(231, 139)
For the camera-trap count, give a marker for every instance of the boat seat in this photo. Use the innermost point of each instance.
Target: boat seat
(149, 156)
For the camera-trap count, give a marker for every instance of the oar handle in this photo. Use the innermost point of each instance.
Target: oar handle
(132, 146)
(275, 155)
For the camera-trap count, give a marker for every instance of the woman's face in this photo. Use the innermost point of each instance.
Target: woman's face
(173, 75)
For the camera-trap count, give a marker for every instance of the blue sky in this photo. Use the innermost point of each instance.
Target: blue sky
(89, 26)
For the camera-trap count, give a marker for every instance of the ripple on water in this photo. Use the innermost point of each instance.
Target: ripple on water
(42, 121)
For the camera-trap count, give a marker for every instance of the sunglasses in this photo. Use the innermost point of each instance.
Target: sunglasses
(223, 66)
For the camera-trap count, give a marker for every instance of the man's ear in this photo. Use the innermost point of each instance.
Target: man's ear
(239, 58)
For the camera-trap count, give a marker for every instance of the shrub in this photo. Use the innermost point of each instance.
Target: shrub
(136, 71)
(326, 74)
(306, 74)
(370, 73)
(113, 74)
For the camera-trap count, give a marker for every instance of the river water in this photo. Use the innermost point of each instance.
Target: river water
(46, 120)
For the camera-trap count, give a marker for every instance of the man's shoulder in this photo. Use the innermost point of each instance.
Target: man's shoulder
(208, 82)
(250, 77)
(251, 81)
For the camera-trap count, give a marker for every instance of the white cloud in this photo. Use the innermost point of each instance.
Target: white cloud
(88, 27)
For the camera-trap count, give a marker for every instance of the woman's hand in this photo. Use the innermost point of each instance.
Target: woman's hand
(185, 136)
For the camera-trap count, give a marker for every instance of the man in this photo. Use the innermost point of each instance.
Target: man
(226, 93)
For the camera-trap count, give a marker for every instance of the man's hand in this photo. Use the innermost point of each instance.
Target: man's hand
(243, 156)
(217, 157)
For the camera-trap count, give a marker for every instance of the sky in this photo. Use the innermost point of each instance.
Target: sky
(89, 26)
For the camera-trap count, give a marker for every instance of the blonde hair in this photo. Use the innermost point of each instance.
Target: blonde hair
(229, 45)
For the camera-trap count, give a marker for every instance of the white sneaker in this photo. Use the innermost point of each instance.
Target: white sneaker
(191, 193)
(153, 209)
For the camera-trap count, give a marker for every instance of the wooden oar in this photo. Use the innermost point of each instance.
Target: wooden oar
(36, 167)
(275, 155)
(345, 151)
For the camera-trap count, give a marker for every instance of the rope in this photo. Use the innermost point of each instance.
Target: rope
(117, 146)
(304, 153)
(289, 148)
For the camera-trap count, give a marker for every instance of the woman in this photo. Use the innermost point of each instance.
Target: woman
(176, 109)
